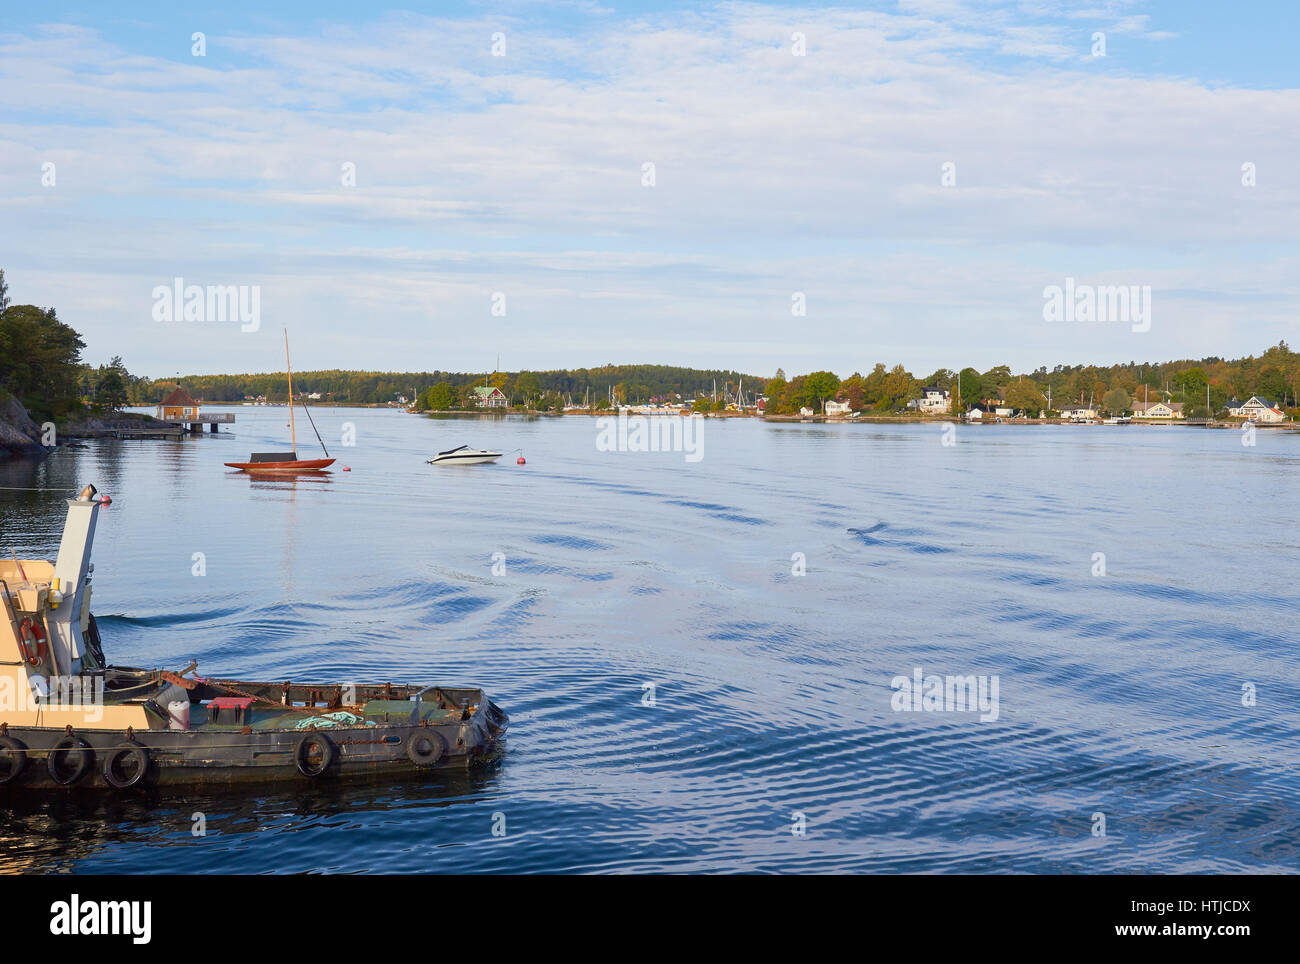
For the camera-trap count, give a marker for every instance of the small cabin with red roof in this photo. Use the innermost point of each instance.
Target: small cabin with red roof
(179, 406)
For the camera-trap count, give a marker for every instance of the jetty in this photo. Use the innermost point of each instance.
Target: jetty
(195, 425)
(134, 425)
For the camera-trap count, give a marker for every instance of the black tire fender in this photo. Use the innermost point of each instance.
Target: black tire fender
(69, 747)
(301, 758)
(13, 754)
(425, 747)
(123, 751)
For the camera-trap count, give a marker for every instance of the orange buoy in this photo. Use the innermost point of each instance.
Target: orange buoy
(347, 468)
(105, 500)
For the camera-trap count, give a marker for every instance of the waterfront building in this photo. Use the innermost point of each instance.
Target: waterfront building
(934, 401)
(490, 398)
(179, 406)
(1256, 409)
(1158, 409)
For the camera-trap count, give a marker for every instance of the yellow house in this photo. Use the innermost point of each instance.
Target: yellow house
(178, 407)
(1158, 410)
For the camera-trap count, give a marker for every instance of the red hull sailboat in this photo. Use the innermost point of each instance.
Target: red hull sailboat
(286, 461)
(280, 462)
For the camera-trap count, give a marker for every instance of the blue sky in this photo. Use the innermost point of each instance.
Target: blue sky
(523, 174)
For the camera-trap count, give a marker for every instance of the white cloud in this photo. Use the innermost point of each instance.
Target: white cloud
(774, 173)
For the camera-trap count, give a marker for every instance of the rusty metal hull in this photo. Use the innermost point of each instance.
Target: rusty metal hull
(235, 756)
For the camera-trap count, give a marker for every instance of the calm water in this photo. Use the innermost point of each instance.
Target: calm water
(1119, 694)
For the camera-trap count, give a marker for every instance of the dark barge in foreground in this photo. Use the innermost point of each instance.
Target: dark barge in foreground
(68, 719)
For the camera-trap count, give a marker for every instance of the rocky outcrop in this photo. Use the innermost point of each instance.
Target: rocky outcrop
(19, 435)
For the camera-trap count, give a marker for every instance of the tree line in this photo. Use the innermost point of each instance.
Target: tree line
(40, 364)
(442, 390)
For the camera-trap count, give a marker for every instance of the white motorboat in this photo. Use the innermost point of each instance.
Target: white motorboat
(464, 455)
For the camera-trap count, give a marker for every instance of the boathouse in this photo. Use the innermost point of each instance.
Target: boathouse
(179, 406)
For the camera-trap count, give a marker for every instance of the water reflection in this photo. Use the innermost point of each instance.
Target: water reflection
(289, 479)
(55, 833)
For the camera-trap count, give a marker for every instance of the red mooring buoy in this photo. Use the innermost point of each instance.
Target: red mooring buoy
(347, 468)
(105, 500)
(519, 461)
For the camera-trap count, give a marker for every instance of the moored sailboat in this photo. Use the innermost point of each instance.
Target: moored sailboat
(286, 461)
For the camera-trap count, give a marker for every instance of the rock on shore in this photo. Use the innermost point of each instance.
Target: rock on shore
(19, 435)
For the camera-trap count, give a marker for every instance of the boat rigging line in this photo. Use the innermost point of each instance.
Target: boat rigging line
(314, 429)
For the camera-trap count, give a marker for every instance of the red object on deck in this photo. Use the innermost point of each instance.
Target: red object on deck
(232, 702)
(231, 710)
(298, 465)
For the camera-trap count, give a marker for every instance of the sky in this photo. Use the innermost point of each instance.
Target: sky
(736, 185)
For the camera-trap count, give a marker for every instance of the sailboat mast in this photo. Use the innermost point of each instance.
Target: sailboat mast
(293, 437)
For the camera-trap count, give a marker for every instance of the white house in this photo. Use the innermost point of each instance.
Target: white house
(934, 401)
(1257, 409)
(835, 407)
(806, 412)
(1078, 411)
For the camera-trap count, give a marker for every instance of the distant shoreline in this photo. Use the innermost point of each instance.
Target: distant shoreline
(872, 419)
(875, 419)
